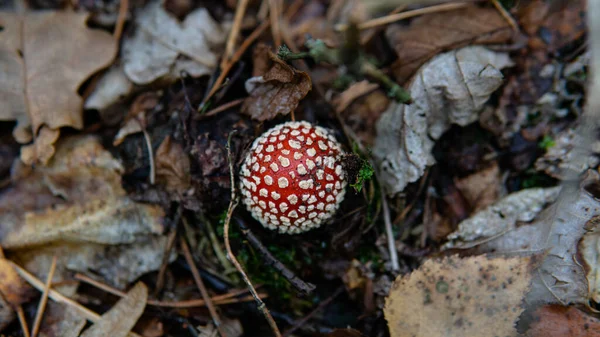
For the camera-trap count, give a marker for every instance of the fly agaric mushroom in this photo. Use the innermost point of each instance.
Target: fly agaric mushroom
(292, 178)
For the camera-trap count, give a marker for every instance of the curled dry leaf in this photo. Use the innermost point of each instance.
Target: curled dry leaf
(45, 57)
(172, 166)
(558, 321)
(77, 197)
(120, 319)
(277, 92)
(163, 47)
(501, 217)
(472, 296)
(450, 89)
(433, 34)
(481, 188)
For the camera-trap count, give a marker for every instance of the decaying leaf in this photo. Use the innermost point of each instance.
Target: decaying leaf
(112, 87)
(58, 54)
(120, 319)
(42, 149)
(173, 166)
(432, 34)
(559, 321)
(472, 296)
(66, 321)
(78, 197)
(450, 89)
(502, 216)
(589, 250)
(481, 188)
(13, 288)
(569, 157)
(277, 92)
(163, 47)
(7, 314)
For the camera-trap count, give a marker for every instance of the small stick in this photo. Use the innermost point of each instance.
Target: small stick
(201, 286)
(390, 235)
(275, 16)
(219, 299)
(123, 7)
(232, 205)
(222, 107)
(321, 305)
(150, 155)
(60, 298)
(44, 299)
(272, 261)
(384, 20)
(506, 15)
(22, 320)
(165, 260)
(240, 10)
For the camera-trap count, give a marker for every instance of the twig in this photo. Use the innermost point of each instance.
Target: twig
(123, 7)
(60, 298)
(219, 299)
(22, 320)
(225, 69)
(43, 300)
(165, 260)
(240, 10)
(384, 20)
(221, 256)
(150, 155)
(275, 17)
(200, 284)
(320, 307)
(222, 107)
(272, 261)
(506, 15)
(232, 205)
(390, 235)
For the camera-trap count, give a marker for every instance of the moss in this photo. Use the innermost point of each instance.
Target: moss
(546, 142)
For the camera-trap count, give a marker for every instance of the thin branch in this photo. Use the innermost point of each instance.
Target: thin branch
(165, 260)
(240, 10)
(275, 17)
(232, 205)
(506, 15)
(390, 235)
(44, 300)
(60, 298)
(222, 107)
(200, 284)
(150, 155)
(22, 320)
(272, 261)
(385, 20)
(123, 8)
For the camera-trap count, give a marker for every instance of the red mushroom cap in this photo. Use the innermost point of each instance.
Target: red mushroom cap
(292, 178)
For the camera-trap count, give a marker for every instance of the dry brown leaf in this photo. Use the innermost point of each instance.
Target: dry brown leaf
(353, 92)
(277, 92)
(589, 256)
(433, 34)
(559, 321)
(120, 319)
(42, 149)
(172, 166)
(77, 197)
(482, 188)
(12, 287)
(472, 296)
(7, 314)
(58, 53)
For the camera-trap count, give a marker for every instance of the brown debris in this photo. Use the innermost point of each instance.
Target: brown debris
(172, 166)
(482, 188)
(559, 321)
(433, 34)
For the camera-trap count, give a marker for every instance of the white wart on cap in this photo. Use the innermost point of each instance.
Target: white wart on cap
(292, 179)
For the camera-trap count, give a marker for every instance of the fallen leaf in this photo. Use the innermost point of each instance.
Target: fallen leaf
(569, 157)
(7, 314)
(481, 188)
(559, 321)
(432, 34)
(77, 197)
(61, 321)
(472, 296)
(589, 253)
(163, 47)
(231, 327)
(501, 217)
(450, 89)
(58, 53)
(42, 149)
(353, 92)
(362, 115)
(277, 92)
(172, 166)
(120, 319)
(112, 87)
(136, 120)
(13, 288)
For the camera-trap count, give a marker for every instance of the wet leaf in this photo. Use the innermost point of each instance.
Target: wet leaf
(45, 57)
(121, 318)
(433, 34)
(559, 321)
(502, 216)
(472, 296)
(277, 92)
(172, 166)
(450, 89)
(163, 47)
